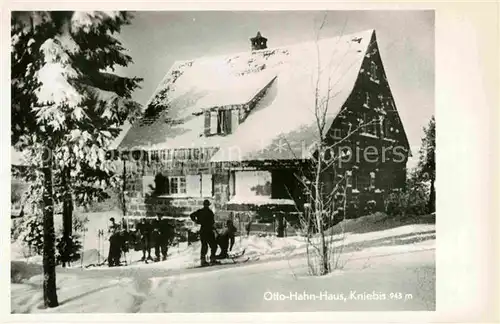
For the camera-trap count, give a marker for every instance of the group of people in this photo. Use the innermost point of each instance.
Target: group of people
(210, 237)
(157, 234)
(160, 233)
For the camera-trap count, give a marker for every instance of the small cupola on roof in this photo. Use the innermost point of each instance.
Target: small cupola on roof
(258, 42)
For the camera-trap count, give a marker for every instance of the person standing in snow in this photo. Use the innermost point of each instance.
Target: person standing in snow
(162, 235)
(226, 239)
(248, 227)
(144, 230)
(206, 219)
(114, 243)
(65, 248)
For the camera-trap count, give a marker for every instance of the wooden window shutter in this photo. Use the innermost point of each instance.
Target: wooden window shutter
(193, 185)
(232, 184)
(148, 184)
(206, 130)
(213, 122)
(203, 155)
(220, 122)
(235, 119)
(227, 121)
(206, 184)
(161, 184)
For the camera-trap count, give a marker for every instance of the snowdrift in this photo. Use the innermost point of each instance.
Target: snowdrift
(377, 222)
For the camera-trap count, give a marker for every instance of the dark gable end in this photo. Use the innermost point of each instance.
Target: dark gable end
(378, 82)
(371, 97)
(371, 101)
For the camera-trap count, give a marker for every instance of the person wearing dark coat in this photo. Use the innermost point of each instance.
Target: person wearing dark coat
(114, 243)
(248, 227)
(206, 219)
(66, 247)
(162, 235)
(144, 230)
(226, 239)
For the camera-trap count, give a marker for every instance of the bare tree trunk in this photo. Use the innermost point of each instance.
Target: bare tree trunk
(324, 257)
(319, 215)
(49, 262)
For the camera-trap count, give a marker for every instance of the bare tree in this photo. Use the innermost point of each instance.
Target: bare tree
(326, 202)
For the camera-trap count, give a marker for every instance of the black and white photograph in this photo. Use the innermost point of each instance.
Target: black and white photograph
(222, 161)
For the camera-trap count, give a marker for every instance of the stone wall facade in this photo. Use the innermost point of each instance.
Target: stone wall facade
(143, 204)
(140, 206)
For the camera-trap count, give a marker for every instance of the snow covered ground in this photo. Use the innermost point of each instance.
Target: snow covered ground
(399, 260)
(265, 248)
(396, 278)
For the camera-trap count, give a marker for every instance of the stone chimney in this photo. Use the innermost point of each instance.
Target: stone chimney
(258, 42)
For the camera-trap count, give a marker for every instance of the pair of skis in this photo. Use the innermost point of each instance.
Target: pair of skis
(233, 258)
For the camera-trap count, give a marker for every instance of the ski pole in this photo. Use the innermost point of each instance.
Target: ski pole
(98, 246)
(83, 248)
(239, 225)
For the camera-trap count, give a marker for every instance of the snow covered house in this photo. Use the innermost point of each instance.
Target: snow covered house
(237, 129)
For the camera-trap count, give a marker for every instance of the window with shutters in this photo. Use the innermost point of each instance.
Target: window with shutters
(191, 185)
(177, 185)
(221, 122)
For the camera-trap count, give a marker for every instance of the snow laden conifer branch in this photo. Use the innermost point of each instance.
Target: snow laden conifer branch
(67, 108)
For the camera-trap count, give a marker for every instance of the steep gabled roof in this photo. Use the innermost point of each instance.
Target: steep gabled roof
(282, 123)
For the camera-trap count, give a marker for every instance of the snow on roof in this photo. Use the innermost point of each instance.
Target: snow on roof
(282, 123)
(235, 90)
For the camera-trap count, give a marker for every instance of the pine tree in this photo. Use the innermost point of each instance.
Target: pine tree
(427, 161)
(67, 107)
